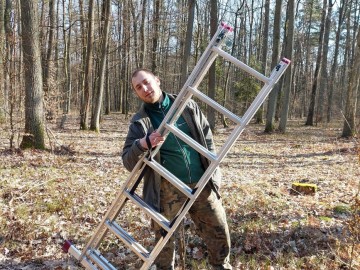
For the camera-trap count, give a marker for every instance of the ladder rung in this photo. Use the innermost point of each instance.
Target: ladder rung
(241, 65)
(128, 240)
(159, 218)
(198, 147)
(100, 260)
(233, 117)
(170, 177)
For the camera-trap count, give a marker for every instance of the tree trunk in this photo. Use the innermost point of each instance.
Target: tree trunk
(335, 60)
(270, 115)
(48, 60)
(135, 20)
(2, 48)
(9, 87)
(67, 62)
(155, 38)
(84, 111)
(311, 111)
(34, 114)
(265, 36)
(349, 128)
(107, 88)
(188, 39)
(324, 76)
(95, 119)
(211, 114)
(288, 74)
(142, 34)
(226, 86)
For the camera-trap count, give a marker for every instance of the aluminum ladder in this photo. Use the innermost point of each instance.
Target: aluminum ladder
(90, 257)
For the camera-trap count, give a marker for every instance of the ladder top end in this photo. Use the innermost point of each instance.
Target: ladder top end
(67, 244)
(285, 60)
(227, 27)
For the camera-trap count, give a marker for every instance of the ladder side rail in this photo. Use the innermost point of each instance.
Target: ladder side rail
(196, 76)
(241, 65)
(214, 164)
(250, 112)
(182, 212)
(278, 71)
(101, 261)
(233, 117)
(73, 251)
(114, 209)
(155, 215)
(191, 142)
(178, 107)
(185, 189)
(128, 240)
(193, 77)
(204, 179)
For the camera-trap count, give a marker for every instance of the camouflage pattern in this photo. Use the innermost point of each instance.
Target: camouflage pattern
(209, 217)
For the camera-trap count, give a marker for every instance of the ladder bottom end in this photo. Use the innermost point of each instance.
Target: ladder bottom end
(67, 244)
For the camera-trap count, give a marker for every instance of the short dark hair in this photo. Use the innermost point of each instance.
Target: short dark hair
(136, 71)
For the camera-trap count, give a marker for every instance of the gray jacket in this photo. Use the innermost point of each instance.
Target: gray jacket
(140, 125)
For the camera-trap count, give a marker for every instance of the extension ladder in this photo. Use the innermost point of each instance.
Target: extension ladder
(90, 257)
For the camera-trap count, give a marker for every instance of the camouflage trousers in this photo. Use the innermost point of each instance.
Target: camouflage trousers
(209, 217)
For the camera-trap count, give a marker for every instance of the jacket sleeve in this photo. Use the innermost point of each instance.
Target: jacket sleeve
(132, 150)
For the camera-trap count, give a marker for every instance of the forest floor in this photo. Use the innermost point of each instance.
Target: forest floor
(63, 193)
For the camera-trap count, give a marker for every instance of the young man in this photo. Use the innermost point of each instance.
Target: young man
(184, 162)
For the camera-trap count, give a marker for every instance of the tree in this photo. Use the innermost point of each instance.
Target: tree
(288, 75)
(212, 71)
(34, 114)
(349, 128)
(264, 51)
(311, 111)
(84, 111)
(2, 32)
(324, 73)
(155, 39)
(334, 65)
(188, 39)
(142, 33)
(98, 98)
(269, 127)
(48, 59)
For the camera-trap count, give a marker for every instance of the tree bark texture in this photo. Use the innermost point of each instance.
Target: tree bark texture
(98, 98)
(85, 106)
(211, 113)
(311, 111)
(349, 128)
(34, 114)
(270, 115)
(289, 44)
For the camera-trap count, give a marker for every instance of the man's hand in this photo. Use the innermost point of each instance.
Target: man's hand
(154, 138)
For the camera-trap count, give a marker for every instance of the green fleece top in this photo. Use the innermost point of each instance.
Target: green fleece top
(176, 156)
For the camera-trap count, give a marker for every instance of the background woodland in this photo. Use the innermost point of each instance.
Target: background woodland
(66, 56)
(65, 67)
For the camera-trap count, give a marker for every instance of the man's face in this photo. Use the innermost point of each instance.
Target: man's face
(147, 87)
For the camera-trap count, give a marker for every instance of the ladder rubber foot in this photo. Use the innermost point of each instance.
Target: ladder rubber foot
(67, 244)
(287, 61)
(228, 27)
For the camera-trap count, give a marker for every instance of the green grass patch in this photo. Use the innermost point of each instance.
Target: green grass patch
(342, 209)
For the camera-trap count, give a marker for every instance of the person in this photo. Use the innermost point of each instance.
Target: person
(185, 163)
